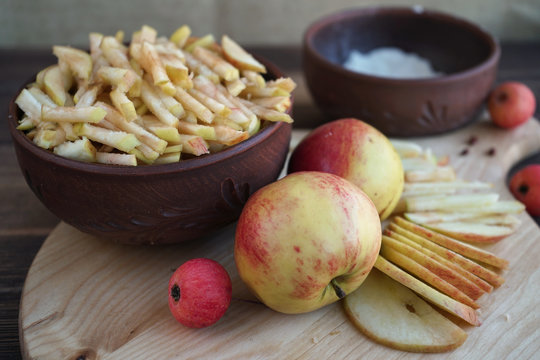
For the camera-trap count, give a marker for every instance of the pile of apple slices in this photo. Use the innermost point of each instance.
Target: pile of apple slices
(465, 210)
(427, 254)
(446, 272)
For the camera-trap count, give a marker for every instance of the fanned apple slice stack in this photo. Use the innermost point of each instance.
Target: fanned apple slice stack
(445, 272)
(434, 197)
(428, 251)
(450, 267)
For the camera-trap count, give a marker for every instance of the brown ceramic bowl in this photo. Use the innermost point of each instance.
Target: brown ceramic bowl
(466, 54)
(154, 204)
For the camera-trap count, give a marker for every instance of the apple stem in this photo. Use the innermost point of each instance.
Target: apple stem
(339, 291)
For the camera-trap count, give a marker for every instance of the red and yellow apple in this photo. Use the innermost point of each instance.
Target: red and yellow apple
(358, 152)
(511, 104)
(306, 241)
(525, 186)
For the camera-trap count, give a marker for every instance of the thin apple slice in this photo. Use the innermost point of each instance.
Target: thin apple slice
(438, 173)
(450, 203)
(469, 291)
(499, 207)
(417, 163)
(430, 294)
(430, 278)
(496, 219)
(393, 315)
(434, 217)
(483, 285)
(442, 187)
(469, 265)
(406, 148)
(464, 249)
(472, 232)
(240, 58)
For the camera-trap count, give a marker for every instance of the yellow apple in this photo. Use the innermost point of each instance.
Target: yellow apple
(357, 152)
(306, 241)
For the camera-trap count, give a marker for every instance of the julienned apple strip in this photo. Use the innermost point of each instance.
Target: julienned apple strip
(444, 272)
(449, 243)
(434, 296)
(458, 259)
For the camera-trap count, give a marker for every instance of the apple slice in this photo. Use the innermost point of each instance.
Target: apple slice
(450, 203)
(442, 187)
(417, 163)
(437, 269)
(430, 294)
(406, 148)
(469, 265)
(467, 250)
(393, 315)
(435, 217)
(473, 232)
(499, 207)
(430, 278)
(438, 173)
(240, 58)
(483, 285)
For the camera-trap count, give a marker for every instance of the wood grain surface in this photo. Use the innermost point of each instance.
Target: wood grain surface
(86, 298)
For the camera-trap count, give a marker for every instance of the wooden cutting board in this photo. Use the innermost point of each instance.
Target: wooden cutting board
(86, 298)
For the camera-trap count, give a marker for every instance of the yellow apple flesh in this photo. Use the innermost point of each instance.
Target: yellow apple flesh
(357, 152)
(306, 241)
(393, 315)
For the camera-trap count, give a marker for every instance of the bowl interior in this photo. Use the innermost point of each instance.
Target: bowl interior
(452, 45)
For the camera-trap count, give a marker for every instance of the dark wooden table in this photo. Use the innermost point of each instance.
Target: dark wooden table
(25, 223)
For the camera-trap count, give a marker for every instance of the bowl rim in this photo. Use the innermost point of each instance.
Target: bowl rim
(314, 28)
(263, 134)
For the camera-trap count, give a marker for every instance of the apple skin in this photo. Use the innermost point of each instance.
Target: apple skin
(306, 241)
(525, 186)
(358, 152)
(199, 292)
(511, 104)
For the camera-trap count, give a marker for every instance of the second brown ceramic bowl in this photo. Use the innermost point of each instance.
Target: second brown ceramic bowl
(466, 54)
(154, 204)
